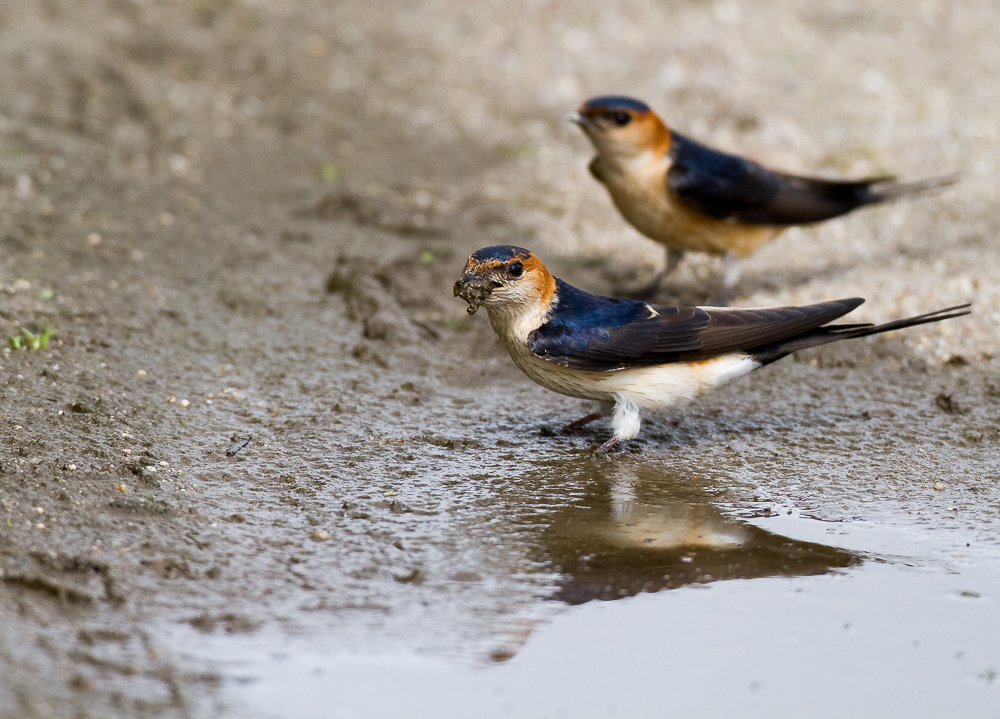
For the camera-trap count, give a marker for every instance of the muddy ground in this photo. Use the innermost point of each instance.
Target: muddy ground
(243, 221)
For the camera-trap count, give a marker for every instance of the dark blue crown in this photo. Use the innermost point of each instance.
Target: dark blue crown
(615, 102)
(500, 252)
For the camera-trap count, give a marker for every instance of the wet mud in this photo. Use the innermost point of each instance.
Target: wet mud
(264, 426)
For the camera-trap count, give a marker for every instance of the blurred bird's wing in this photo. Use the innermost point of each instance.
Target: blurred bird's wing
(588, 332)
(729, 187)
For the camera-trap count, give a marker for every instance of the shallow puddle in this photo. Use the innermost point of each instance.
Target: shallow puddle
(665, 602)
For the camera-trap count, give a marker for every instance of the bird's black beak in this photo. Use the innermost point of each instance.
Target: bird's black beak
(474, 290)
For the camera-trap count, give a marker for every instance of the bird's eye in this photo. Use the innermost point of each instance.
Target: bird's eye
(516, 269)
(621, 118)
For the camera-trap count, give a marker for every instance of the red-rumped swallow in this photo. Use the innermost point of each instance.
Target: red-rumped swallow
(692, 198)
(632, 356)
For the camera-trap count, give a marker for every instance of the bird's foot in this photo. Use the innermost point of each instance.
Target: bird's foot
(603, 449)
(582, 422)
(722, 298)
(730, 276)
(647, 291)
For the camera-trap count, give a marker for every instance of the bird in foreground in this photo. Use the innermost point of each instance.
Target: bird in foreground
(635, 357)
(691, 198)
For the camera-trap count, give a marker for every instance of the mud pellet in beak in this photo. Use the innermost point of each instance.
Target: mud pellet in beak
(474, 291)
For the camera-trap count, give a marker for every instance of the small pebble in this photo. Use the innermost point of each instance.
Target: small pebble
(122, 488)
(939, 486)
(71, 467)
(164, 463)
(320, 536)
(39, 526)
(39, 510)
(184, 403)
(94, 239)
(141, 372)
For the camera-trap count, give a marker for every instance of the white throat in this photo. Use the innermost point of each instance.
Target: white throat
(514, 323)
(620, 154)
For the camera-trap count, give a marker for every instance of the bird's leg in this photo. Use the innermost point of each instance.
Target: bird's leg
(674, 258)
(603, 449)
(582, 422)
(605, 408)
(626, 420)
(730, 276)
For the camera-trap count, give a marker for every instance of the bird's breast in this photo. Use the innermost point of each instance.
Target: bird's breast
(640, 192)
(564, 380)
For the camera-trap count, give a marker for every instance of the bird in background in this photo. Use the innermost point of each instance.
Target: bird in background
(632, 356)
(691, 198)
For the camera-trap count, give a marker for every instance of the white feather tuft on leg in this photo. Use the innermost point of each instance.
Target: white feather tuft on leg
(626, 419)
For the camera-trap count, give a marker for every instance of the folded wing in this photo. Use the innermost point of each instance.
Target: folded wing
(598, 334)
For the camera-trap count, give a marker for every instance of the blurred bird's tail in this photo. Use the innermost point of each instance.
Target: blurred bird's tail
(802, 200)
(886, 188)
(833, 333)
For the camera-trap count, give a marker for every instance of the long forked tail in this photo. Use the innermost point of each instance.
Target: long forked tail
(834, 333)
(802, 200)
(889, 189)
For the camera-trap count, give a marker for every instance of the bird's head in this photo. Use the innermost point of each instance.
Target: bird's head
(507, 278)
(621, 126)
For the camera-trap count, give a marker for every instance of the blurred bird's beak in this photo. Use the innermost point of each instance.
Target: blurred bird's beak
(474, 290)
(577, 119)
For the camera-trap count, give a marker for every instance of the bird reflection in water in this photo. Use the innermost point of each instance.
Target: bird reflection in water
(637, 535)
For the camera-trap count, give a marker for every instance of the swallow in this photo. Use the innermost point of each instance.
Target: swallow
(635, 357)
(691, 198)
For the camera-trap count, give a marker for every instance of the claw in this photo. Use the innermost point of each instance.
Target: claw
(603, 449)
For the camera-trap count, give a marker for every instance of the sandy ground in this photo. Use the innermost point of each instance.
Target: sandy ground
(244, 219)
